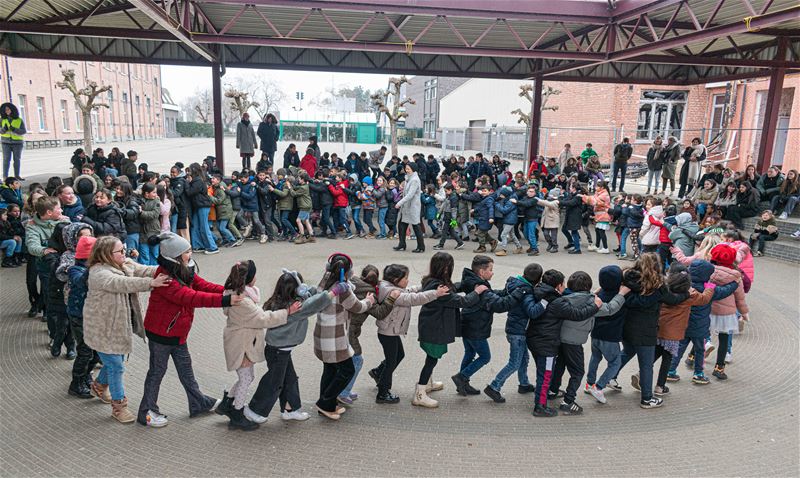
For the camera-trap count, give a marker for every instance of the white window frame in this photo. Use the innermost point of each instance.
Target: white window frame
(651, 134)
(78, 119)
(64, 116)
(716, 109)
(23, 108)
(40, 114)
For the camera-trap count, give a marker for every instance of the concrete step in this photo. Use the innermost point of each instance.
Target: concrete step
(785, 248)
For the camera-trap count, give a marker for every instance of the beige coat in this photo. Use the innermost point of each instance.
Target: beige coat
(551, 218)
(244, 331)
(112, 313)
(396, 323)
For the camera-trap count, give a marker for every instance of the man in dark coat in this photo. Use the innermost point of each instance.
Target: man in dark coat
(268, 134)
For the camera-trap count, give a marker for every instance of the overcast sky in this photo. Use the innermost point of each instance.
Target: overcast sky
(183, 81)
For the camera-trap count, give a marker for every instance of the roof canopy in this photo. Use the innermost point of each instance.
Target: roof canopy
(674, 42)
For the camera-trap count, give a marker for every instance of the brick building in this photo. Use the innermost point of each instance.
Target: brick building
(50, 113)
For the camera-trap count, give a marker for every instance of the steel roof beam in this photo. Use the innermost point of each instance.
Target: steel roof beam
(158, 15)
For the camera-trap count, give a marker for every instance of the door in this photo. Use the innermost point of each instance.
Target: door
(474, 139)
(781, 135)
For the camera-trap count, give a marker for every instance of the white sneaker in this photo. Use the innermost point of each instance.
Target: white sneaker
(614, 385)
(592, 247)
(253, 416)
(783, 216)
(262, 239)
(295, 415)
(155, 420)
(728, 357)
(598, 394)
(709, 347)
(603, 251)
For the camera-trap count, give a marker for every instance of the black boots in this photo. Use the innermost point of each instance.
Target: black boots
(387, 397)
(9, 262)
(239, 421)
(78, 388)
(225, 406)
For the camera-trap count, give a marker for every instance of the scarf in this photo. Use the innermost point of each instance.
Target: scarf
(253, 293)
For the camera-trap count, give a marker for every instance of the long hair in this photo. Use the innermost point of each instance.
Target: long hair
(789, 186)
(103, 251)
(441, 269)
(708, 243)
(336, 264)
(285, 292)
(649, 266)
(196, 171)
(237, 279)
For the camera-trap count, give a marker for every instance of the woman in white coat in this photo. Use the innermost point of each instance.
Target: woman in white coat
(410, 206)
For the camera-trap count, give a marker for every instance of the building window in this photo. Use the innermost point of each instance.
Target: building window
(661, 114)
(125, 108)
(78, 118)
(64, 116)
(111, 108)
(719, 110)
(433, 93)
(147, 103)
(40, 113)
(23, 108)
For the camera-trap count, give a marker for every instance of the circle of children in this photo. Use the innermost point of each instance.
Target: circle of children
(686, 281)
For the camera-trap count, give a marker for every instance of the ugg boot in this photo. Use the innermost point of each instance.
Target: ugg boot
(119, 410)
(421, 398)
(501, 252)
(101, 391)
(433, 386)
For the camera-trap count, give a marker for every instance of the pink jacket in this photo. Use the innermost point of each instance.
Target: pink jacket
(601, 201)
(728, 305)
(744, 258)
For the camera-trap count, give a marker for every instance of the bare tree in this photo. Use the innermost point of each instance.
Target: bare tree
(269, 95)
(526, 91)
(240, 100)
(84, 99)
(199, 106)
(393, 113)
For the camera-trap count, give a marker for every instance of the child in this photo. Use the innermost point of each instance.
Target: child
(302, 195)
(17, 229)
(281, 190)
(724, 319)
(705, 196)
(395, 324)
(517, 322)
(86, 358)
(464, 208)
(765, 230)
(337, 188)
(111, 315)
(476, 320)
(223, 204)
(429, 212)
(588, 153)
(438, 322)
(683, 233)
(448, 213)
(392, 197)
(37, 233)
(243, 339)
(169, 317)
(505, 212)
(551, 219)
(571, 203)
(531, 212)
(632, 214)
(331, 345)
(9, 241)
(367, 197)
(606, 336)
(652, 225)
(601, 202)
(379, 195)
(483, 211)
(150, 221)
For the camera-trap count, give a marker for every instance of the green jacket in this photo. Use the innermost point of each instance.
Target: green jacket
(222, 203)
(150, 219)
(38, 233)
(588, 153)
(285, 199)
(303, 195)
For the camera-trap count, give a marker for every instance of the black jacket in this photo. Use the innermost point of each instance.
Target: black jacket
(268, 134)
(642, 311)
(178, 186)
(572, 212)
(291, 159)
(440, 321)
(320, 195)
(197, 192)
(476, 320)
(530, 208)
(519, 316)
(609, 328)
(544, 332)
(106, 221)
(130, 209)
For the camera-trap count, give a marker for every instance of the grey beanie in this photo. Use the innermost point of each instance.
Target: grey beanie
(172, 245)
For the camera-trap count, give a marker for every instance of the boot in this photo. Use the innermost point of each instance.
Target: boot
(518, 250)
(501, 252)
(494, 244)
(480, 250)
(421, 398)
(310, 239)
(225, 406)
(433, 386)
(300, 240)
(101, 391)
(78, 388)
(7, 263)
(119, 410)
(239, 421)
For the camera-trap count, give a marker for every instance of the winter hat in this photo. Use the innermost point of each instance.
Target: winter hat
(554, 193)
(171, 245)
(367, 180)
(723, 255)
(683, 218)
(84, 248)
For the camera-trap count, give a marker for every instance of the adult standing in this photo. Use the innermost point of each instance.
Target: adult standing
(410, 206)
(622, 153)
(669, 161)
(312, 144)
(12, 131)
(564, 155)
(693, 157)
(268, 134)
(654, 164)
(375, 160)
(246, 140)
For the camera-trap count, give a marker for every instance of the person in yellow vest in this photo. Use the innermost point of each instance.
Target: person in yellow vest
(12, 129)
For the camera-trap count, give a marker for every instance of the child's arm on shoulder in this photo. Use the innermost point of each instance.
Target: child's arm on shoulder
(532, 307)
(382, 310)
(255, 317)
(202, 285)
(313, 305)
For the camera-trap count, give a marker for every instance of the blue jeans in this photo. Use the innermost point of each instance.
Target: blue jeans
(701, 210)
(530, 233)
(576, 240)
(357, 220)
(603, 349)
(340, 219)
(473, 347)
(623, 240)
(358, 362)
(11, 246)
(173, 223)
(432, 224)
(148, 254)
(112, 172)
(382, 220)
(201, 231)
(132, 242)
(288, 228)
(326, 223)
(645, 354)
(111, 374)
(698, 344)
(222, 225)
(517, 362)
(368, 219)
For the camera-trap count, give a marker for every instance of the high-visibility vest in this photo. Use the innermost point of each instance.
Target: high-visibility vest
(16, 123)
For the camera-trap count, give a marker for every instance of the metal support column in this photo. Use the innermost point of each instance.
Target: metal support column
(773, 106)
(536, 122)
(216, 87)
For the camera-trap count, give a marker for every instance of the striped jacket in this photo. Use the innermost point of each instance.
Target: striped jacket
(331, 344)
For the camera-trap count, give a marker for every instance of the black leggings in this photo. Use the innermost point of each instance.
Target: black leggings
(394, 354)
(722, 350)
(666, 361)
(427, 370)
(601, 238)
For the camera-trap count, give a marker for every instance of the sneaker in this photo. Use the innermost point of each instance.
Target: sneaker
(689, 362)
(494, 394)
(783, 215)
(346, 400)
(728, 357)
(758, 254)
(155, 420)
(570, 408)
(438, 247)
(673, 377)
(458, 246)
(554, 395)
(574, 251)
(211, 252)
(350, 236)
(709, 348)
(296, 415)
(253, 416)
(598, 394)
(592, 247)
(652, 403)
(719, 372)
(796, 234)
(603, 250)
(635, 382)
(614, 385)
(660, 391)
(546, 412)
(700, 380)
(527, 388)
(353, 396)
(586, 388)
(622, 257)
(534, 252)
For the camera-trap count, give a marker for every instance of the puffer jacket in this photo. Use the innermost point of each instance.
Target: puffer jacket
(576, 332)
(651, 226)
(600, 202)
(476, 320)
(518, 314)
(130, 208)
(302, 194)
(294, 332)
(106, 221)
(320, 195)
(544, 333)
(530, 208)
(338, 194)
(197, 193)
(243, 335)
(379, 195)
(249, 197)
(284, 196)
(573, 220)
(505, 211)
(699, 322)
(223, 202)
(673, 319)
(78, 275)
(484, 209)
(633, 214)
(642, 311)
(609, 328)
(730, 304)
(440, 321)
(551, 218)
(682, 236)
(150, 219)
(744, 259)
(378, 310)
(398, 319)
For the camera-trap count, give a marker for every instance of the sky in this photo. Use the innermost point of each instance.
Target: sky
(183, 81)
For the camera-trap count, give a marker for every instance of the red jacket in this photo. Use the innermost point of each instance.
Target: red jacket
(170, 312)
(663, 232)
(309, 164)
(339, 196)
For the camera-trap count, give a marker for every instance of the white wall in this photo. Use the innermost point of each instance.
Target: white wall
(482, 99)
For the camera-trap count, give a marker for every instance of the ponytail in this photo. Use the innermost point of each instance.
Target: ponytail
(242, 273)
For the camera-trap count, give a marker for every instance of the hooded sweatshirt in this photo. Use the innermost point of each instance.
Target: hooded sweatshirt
(651, 226)
(518, 314)
(682, 236)
(576, 332)
(476, 320)
(609, 328)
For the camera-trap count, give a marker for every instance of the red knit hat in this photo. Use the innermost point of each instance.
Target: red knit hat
(724, 255)
(84, 247)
